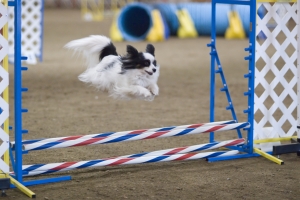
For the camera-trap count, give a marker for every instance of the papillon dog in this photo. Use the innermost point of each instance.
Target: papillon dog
(132, 76)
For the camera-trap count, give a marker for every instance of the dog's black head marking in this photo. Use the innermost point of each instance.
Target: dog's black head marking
(150, 49)
(136, 60)
(154, 63)
(146, 63)
(132, 52)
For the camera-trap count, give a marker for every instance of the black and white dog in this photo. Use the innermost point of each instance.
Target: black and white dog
(132, 76)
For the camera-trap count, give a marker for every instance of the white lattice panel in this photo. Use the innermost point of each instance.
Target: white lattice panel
(32, 28)
(298, 65)
(4, 112)
(276, 70)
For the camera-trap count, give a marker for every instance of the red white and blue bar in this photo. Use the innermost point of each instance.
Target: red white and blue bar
(102, 135)
(29, 170)
(125, 136)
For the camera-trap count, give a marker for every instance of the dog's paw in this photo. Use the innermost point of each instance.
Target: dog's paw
(146, 93)
(134, 92)
(149, 98)
(154, 90)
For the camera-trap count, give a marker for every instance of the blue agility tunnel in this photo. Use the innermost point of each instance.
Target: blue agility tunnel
(168, 11)
(244, 13)
(201, 15)
(135, 21)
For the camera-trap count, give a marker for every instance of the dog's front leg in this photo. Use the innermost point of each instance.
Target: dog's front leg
(137, 90)
(134, 91)
(154, 89)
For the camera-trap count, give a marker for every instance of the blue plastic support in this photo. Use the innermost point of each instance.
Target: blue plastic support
(215, 60)
(17, 91)
(24, 110)
(11, 3)
(25, 152)
(248, 49)
(230, 107)
(248, 58)
(251, 65)
(24, 89)
(247, 111)
(247, 93)
(212, 83)
(238, 2)
(24, 131)
(225, 88)
(218, 71)
(247, 75)
(250, 76)
(240, 148)
(45, 181)
(17, 159)
(238, 156)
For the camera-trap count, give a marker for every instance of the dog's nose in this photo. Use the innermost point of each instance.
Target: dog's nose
(154, 70)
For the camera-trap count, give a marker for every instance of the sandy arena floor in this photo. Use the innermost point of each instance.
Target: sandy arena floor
(60, 105)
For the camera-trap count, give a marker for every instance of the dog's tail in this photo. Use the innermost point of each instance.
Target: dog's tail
(94, 48)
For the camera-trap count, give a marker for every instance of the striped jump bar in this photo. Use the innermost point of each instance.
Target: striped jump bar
(189, 149)
(100, 135)
(29, 170)
(131, 136)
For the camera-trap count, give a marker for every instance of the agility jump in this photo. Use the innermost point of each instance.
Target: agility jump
(136, 135)
(242, 148)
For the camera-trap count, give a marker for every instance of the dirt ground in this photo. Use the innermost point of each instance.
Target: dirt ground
(60, 105)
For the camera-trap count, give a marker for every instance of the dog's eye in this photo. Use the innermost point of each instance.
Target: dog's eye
(146, 63)
(154, 62)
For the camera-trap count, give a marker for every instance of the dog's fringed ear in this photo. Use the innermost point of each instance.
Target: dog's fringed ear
(132, 52)
(150, 49)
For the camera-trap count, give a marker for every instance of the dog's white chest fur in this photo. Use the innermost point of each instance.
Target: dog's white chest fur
(140, 79)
